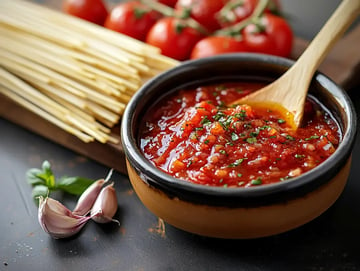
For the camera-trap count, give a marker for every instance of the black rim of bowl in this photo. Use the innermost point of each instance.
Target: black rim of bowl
(251, 196)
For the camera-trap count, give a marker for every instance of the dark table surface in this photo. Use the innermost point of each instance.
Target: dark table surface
(330, 242)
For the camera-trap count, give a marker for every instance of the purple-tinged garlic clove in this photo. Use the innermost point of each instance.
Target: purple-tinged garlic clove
(57, 220)
(88, 197)
(105, 205)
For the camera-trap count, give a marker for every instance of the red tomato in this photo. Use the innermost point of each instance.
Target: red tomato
(93, 11)
(236, 11)
(132, 18)
(170, 3)
(215, 45)
(272, 36)
(173, 37)
(203, 11)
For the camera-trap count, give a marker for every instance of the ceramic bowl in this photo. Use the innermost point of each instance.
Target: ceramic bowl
(237, 212)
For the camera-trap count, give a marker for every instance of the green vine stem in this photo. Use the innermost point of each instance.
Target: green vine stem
(170, 12)
(235, 29)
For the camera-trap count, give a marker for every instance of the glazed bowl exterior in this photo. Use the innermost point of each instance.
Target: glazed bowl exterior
(237, 212)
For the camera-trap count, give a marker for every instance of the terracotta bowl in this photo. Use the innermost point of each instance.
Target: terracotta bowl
(237, 212)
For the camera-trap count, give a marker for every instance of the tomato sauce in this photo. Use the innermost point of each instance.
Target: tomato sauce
(193, 136)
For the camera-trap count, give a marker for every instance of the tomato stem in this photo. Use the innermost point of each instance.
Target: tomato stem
(170, 12)
(235, 30)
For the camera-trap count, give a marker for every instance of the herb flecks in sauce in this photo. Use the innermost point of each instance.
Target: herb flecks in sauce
(237, 146)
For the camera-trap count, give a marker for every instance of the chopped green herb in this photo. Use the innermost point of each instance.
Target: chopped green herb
(241, 115)
(251, 140)
(222, 151)
(299, 155)
(289, 137)
(205, 121)
(312, 137)
(247, 125)
(234, 137)
(281, 121)
(219, 115)
(257, 181)
(229, 143)
(239, 175)
(207, 141)
(285, 178)
(193, 136)
(228, 121)
(265, 127)
(237, 162)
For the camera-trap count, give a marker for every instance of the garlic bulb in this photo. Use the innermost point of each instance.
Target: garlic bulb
(105, 205)
(57, 220)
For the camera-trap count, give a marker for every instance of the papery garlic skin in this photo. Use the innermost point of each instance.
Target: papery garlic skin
(88, 197)
(57, 220)
(105, 205)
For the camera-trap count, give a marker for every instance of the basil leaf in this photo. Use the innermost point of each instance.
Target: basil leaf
(48, 175)
(32, 176)
(39, 190)
(74, 185)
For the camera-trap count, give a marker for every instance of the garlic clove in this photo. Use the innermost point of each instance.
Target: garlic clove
(57, 220)
(105, 205)
(88, 197)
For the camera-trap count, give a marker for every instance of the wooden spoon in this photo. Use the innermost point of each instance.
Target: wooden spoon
(288, 93)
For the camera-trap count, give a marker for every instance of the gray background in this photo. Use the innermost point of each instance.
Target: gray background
(308, 16)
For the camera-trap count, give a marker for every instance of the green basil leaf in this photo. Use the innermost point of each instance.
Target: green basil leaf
(32, 176)
(39, 190)
(48, 175)
(48, 179)
(46, 167)
(74, 185)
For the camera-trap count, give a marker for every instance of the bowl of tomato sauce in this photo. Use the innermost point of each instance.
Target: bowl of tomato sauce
(235, 171)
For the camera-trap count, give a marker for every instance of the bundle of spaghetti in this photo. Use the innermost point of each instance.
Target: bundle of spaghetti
(77, 75)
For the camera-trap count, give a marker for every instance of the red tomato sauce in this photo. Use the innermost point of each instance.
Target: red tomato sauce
(193, 136)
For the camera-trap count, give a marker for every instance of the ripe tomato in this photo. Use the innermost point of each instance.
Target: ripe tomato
(215, 45)
(238, 10)
(170, 3)
(132, 18)
(203, 11)
(272, 35)
(93, 11)
(173, 37)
